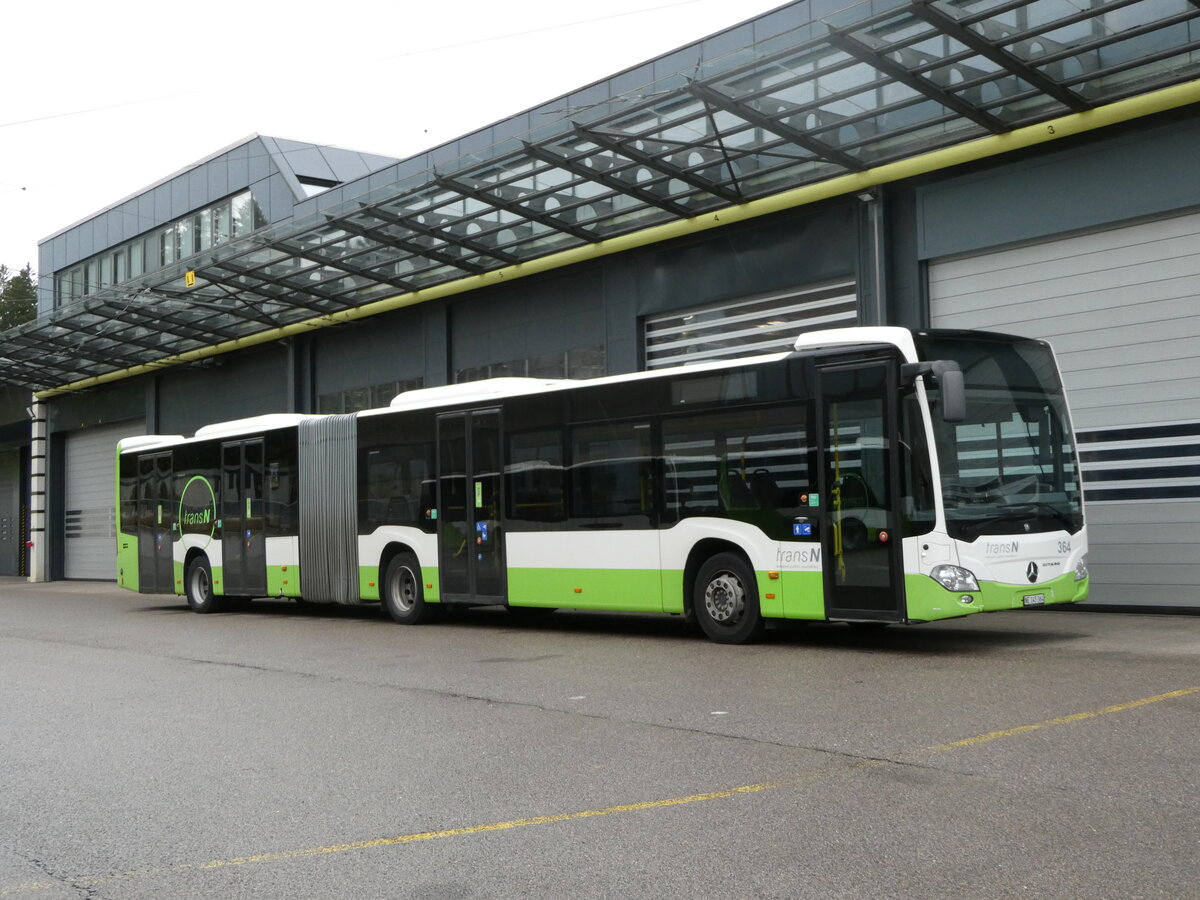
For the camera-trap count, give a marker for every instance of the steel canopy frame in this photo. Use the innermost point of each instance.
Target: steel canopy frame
(825, 106)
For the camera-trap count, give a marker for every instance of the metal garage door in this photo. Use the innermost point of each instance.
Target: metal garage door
(1122, 310)
(90, 459)
(12, 532)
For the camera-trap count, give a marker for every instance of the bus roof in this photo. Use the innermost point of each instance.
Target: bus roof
(900, 338)
(499, 388)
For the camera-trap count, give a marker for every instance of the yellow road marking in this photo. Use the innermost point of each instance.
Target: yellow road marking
(495, 826)
(813, 775)
(1064, 720)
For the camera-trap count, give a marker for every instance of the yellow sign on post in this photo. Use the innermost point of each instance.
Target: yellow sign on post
(189, 278)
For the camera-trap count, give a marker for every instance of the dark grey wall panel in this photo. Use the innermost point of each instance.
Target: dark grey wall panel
(387, 348)
(1107, 177)
(802, 247)
(234, 386)
(906, 295)
(534, 316)
(436, 317)
(13, 403)
(109, 403)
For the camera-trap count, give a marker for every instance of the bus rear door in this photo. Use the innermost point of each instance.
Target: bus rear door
(243, 539)
(470, 543)
(156, 518)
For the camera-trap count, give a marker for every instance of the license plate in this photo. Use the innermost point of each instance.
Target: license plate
(1034, 599)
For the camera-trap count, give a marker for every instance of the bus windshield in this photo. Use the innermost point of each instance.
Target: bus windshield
(1010, 466)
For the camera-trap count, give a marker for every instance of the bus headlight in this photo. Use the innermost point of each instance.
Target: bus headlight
(955, 578)
(1081, 568)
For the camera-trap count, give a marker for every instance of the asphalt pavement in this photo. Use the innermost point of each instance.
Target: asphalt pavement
(288, 752)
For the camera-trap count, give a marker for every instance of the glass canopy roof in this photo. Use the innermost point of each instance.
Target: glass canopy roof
(871, 84)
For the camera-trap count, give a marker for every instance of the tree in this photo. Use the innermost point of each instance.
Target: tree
(18, 297)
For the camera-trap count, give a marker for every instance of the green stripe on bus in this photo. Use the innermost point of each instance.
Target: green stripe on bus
(127, 561)
(629, 590)
(928, 601)
(802, 597)
(283, 581)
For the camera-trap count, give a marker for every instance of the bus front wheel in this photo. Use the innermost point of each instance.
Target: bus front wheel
(403, 593)
(725, 600)
(198, 585)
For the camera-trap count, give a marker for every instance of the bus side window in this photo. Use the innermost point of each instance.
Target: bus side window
(612, 475)
(535, 488)
(752, 465)
(395, 480)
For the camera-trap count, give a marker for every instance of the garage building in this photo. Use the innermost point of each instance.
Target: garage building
(1026, 167)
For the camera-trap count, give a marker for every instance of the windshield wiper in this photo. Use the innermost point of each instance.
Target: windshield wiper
(1018, 513)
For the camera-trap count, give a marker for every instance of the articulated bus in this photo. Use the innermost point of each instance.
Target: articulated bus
(871, 475)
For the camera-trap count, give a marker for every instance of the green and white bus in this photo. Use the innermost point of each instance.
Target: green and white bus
(870, 475)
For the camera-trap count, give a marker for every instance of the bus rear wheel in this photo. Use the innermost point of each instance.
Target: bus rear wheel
(198, 586)
(725, 600)
(403, 592)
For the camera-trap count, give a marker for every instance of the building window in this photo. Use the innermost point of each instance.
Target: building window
(200, 231)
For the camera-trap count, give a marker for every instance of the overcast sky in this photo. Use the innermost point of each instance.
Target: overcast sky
(99, 100)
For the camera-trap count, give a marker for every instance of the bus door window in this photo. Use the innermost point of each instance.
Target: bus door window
(155, 517)
(452, 503)
(254, 524)
(145, 521)
(243, 542)
(485, 496)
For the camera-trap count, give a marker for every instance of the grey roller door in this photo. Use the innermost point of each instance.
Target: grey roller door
(1122, 310)
(12, 534)
(89, 549)
(747, 327)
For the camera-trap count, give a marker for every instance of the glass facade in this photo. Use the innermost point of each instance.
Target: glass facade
(753, 114)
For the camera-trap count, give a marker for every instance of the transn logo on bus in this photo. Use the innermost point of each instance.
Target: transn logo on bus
(1003, 548)
(198, 509)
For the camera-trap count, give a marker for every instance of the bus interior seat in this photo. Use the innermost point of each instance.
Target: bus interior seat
(764, 489)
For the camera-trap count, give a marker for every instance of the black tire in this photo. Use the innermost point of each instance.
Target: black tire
(725, 600)
(403, 593)
(198, 586)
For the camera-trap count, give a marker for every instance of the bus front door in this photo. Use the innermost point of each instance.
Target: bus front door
(859, 501)
(243, 540)
(156, 519)
(470, 543)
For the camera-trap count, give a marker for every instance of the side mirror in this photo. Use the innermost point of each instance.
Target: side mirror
(950, 380)
(954, 395)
